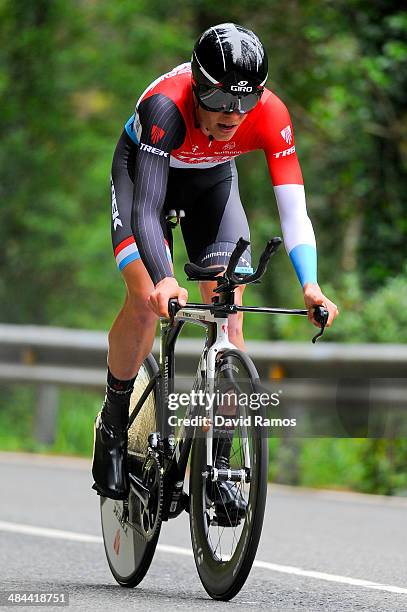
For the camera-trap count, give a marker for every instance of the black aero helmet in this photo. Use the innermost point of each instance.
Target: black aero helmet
(229, 68)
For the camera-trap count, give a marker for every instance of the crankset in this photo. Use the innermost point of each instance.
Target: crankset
(146, 497)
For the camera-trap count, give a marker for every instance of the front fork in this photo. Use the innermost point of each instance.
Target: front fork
(220, 344)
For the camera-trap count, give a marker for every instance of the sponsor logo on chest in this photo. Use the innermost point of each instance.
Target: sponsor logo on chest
(197, 156)
(216, 158)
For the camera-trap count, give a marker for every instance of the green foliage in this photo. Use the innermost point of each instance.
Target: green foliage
(375, 316)
(69, 79)
(74, 428)
(16, 419)
(70, 74)
(75, 422)
(331, 463)
(365, 465)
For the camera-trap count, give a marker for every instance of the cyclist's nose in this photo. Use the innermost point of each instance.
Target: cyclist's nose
(235, 114)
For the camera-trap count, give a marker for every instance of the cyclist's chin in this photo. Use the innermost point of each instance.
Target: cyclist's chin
(224, 135)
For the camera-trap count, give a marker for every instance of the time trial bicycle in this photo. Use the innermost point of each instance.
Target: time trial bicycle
(226, 501)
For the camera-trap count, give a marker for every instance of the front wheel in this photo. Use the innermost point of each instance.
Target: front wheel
(225, 542)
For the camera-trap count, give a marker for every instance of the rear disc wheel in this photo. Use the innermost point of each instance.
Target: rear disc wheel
(131, 529)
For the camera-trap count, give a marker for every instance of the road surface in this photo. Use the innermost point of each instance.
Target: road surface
(319, 550)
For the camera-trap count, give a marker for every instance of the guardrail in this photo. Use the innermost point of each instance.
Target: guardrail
(51, 357)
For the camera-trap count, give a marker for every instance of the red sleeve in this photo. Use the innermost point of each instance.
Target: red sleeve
(277, 141)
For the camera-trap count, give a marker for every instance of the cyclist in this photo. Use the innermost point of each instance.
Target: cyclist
(177, 151)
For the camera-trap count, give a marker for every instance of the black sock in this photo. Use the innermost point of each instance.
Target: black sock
(115, 411)
(222, 445)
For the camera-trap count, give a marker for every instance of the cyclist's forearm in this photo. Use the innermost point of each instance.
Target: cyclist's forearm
(298, 233)
(148, 200)
(153, 250)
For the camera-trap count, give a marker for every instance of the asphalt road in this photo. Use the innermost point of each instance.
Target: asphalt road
(319, 550)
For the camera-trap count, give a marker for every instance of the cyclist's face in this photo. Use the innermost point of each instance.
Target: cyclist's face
(222, 126)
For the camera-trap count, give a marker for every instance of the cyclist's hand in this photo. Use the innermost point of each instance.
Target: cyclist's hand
(313, 296)
(164, 290)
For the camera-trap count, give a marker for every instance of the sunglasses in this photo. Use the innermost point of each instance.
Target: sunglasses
(216, 100)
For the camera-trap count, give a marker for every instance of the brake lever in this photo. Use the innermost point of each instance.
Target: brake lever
(321, 316)
(173, 307)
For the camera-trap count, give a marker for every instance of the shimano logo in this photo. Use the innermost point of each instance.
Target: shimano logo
(242, 86)
(217, 254)
(224, 254)
(153, 150)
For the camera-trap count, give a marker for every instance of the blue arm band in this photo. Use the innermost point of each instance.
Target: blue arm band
(129, 129)
(304, 260)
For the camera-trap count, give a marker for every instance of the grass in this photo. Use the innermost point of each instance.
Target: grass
(74, 431)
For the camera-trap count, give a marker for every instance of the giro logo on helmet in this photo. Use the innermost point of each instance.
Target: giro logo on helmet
(241, 86)
(229, 69)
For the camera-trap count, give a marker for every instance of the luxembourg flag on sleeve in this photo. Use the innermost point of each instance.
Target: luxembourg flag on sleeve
(127, 251)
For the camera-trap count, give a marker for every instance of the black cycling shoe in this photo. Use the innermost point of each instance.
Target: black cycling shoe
(230, 506)
(110, 461)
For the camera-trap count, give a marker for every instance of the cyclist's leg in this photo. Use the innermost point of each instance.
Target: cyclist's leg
(211, 230)
(235, 323)
(132, 334)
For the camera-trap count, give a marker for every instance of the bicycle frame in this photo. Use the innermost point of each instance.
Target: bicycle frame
(214, 318)
(176, 454)
(217, 340)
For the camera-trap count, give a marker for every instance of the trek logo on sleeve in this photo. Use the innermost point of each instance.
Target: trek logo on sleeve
(150, 149)
(156, 133)
(289, 151)
(287, 134)
(115, 211)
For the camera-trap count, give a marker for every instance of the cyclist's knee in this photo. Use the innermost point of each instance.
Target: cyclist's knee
(138, 282)
(137, 305)
(139, 287)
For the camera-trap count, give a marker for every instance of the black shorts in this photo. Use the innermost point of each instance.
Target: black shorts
(214, 216)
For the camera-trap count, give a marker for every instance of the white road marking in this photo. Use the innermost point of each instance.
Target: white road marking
(297, 571)
(49, 533)
(178, 550)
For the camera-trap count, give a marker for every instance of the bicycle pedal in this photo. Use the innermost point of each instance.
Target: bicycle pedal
(177, 507)
(225, 521)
